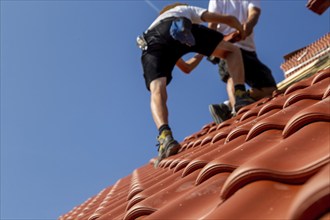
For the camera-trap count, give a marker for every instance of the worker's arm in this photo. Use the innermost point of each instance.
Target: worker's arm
(253, 17)
(229, 20)
(189, 65)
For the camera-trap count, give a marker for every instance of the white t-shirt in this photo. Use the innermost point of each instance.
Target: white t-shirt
(239, 9)
(193, 13)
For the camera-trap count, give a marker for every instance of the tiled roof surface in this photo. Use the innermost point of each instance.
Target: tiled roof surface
(318, 6)
(305, 56)
(271, 161)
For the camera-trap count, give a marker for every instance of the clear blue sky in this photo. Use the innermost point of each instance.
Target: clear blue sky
(75, 113)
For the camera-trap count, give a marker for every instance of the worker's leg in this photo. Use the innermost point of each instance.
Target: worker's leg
(158, 99)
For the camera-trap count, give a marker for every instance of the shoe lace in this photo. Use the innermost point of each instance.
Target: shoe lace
(159, 144)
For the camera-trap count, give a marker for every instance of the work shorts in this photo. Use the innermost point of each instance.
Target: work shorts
(162, 53)
(257, 74)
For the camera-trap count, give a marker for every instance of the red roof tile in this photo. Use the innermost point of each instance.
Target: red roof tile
(300, 58)
(318, 6)
(271, 161)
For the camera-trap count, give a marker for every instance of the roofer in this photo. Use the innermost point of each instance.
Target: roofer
(176, 32)
(257, 75)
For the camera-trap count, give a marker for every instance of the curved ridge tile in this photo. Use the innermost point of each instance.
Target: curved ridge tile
(251, 113)
(136, 199)
(222, 133)
(321, 75)
(101, 208)
(207, 155)
(293, 160)
(213, 128)
(189, 138)
(166, 194)
(186, 157)
(327, 93)
(206, 140)
(174, 163)
(194, 203)
(211, 169)
(250, 107)
(182, 164)
(227, 123)
(94, 207)
(136, 185)
(249, 150)
(197, 143)
(160, 183)
(315, 91)
(243, 153)
(243, 110)
(190, 144)
(298, 85)
(192, 153)
(259, 200)
(276, 103)
(167, 161)
(207, 127)
(77, 210)
(262, 127)
(183, 147)
(244, 127)
(313, 200)
(320, 111)
(142, 179)
(263, 101)
(112, 212)
(219, 136)
(193, 166)
(138, 211)
(239, 131)
(278, 119)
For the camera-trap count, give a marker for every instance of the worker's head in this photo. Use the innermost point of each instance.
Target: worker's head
(168, 7)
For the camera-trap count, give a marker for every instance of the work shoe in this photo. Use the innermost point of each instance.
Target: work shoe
(220, 112)
(242, 98)
(167, 146)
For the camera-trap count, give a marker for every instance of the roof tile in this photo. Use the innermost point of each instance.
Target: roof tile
(270, 161)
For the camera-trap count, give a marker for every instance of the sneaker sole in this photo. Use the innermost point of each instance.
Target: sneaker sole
(216, 119)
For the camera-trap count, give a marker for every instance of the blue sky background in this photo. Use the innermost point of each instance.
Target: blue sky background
(75, 113)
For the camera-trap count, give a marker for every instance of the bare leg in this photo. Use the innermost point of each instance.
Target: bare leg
(231, 92)
(158, 99)
(233, 56)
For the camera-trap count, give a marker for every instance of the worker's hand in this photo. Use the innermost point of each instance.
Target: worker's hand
(240, 29)
(233, 37)
(241, 35)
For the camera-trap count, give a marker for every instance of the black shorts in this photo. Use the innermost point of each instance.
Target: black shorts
(257, 74)
(163, 51)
